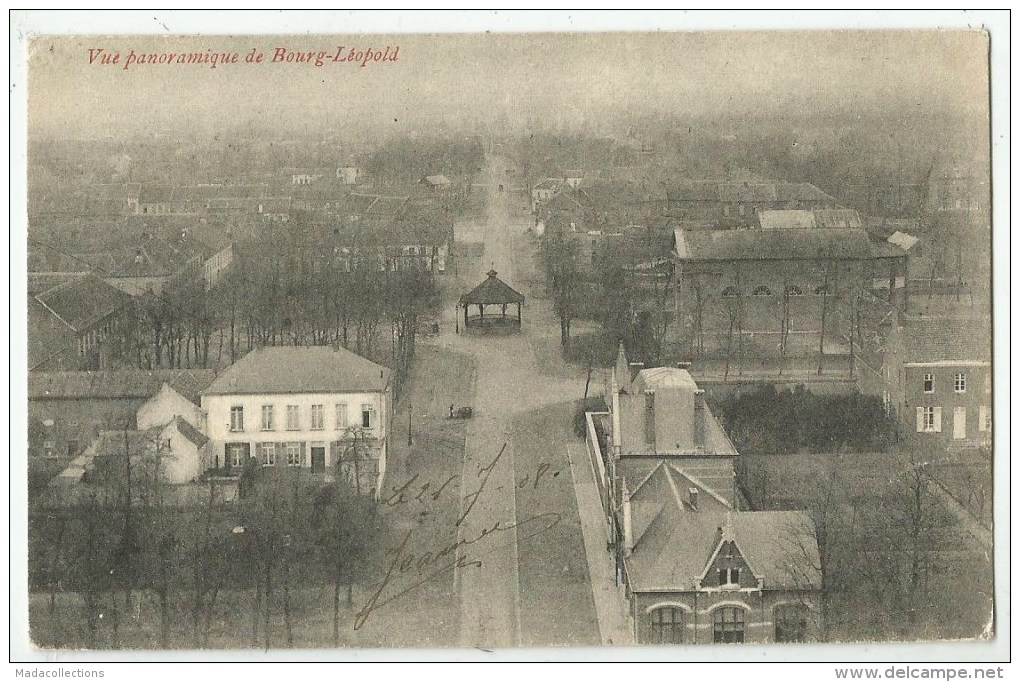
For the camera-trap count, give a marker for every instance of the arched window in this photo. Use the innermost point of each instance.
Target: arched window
(667, 625)
(791, 622)
(822, 290)
(731, 292)
(728, 625)
(761, 290)
(794, 290)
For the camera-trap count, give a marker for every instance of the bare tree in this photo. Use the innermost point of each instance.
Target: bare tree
(344, 521)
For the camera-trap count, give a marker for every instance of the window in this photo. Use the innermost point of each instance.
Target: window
(790, 622)
(728, 625)
(72, 448)
(794, 290)
(237, 418)
(48, 448)
(667, 625)
(761, 291)
(268, 454)
(341, 416)
(236, 454)
(731, 292)
(960, 382)
(929, 383)
(293, 454)
(318, 417)
(267, 418)
(367, 416)
(729, 576)
(292, 418)
(929, 419)
(822, 290)
(988, 383)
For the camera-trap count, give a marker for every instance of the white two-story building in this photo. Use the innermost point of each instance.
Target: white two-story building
(317, 407)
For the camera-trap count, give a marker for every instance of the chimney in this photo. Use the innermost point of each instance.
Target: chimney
(621, 370)
(650, 419)
(628, 522)
(693, 493)
(698, 432)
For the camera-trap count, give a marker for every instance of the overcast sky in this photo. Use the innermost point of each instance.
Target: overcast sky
(519, 78)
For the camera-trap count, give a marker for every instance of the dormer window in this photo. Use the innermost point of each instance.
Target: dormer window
(729, 576)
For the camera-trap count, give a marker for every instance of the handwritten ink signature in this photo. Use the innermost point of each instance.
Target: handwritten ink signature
(431, 565)
(404, 561)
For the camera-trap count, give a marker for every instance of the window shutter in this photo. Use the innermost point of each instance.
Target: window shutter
(982, 417)
(938, 420)
(920, 419)
(302, 460)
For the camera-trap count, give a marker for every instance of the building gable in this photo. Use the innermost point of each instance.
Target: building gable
(728, 568)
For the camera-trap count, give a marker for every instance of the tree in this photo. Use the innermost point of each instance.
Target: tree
(344, 521)
(559, 255)
(917, 519)
(92, 542)
(276, 522)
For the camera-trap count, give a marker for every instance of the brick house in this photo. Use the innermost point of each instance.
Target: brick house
(938, 374)
(695, 568)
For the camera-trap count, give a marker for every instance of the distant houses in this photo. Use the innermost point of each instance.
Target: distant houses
(734, 203)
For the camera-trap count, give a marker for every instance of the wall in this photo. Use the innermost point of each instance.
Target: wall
(699, 610)
(977, 395)
(166, 405)
(185, 461)
(217, 409)
(705, 315)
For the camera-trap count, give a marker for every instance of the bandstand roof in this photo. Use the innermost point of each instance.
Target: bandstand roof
(492, 291)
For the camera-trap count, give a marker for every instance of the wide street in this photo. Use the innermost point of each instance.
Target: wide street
(519, 513)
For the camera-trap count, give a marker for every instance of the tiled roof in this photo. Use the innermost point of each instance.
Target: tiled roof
(492, 291)
(300, 369)
(693, 191)
(786, 220)
(84, 301)
(934, 339)
(774, 245)
(127, 383)
(155, 194)
(800, 191)
(673, 542)
(747, 192)
(39, 282)
(549, 183)
(665, 377)
(837, 217)
(190, 432)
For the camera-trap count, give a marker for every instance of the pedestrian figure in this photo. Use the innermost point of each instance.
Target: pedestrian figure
(451, 411)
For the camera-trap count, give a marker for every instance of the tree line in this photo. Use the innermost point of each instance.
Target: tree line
(204, 565)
